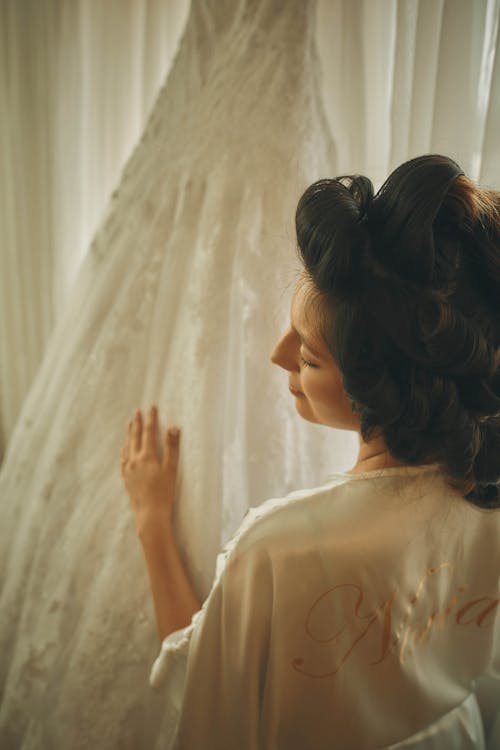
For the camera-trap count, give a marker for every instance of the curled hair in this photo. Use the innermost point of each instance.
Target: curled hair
(409, 281)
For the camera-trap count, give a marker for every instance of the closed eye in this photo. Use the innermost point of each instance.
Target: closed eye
(307, 363)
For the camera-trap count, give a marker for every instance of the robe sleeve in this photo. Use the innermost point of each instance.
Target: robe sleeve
(214, 670)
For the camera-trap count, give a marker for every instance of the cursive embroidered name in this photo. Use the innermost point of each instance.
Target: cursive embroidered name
(343, 616)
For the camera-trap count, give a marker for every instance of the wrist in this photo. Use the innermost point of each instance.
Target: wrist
(153, 524)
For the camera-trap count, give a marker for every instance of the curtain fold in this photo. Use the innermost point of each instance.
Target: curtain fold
(406, 77)
(77, 82)
(204, 204)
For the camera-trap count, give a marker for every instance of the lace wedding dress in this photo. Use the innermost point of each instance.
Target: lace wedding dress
(179, 301)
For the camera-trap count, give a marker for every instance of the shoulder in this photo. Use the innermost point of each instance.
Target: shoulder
(335, 511)
(277, 520)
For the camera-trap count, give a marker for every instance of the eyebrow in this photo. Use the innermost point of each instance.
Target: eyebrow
(301, 337)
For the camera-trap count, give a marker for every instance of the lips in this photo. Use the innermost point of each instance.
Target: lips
(294, 391)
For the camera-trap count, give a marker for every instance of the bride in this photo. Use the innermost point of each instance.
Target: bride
(364, 612)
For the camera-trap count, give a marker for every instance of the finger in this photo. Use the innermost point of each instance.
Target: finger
(171, 456)
(137, 432)
(124, 452)
(150, 444)
(128, 440)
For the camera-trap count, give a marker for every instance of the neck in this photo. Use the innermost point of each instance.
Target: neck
(373, 455)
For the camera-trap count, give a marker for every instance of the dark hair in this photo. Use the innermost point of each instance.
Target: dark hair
(409, 279)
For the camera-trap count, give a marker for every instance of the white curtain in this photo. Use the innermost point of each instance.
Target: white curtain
(77, 80)
(406, 77)
(192, 317)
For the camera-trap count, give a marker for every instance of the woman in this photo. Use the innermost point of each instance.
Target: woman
(362, 613)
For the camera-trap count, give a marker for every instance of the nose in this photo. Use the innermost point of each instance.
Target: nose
(285, 352)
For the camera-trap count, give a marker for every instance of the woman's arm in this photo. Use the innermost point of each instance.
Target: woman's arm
(150, 480)
(174, 598)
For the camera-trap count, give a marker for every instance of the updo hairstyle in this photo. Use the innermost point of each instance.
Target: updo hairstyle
(408, 282)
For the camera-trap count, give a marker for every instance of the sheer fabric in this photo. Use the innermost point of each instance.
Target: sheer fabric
(178, 301)
(399, 79)
(406, 78)
(356, 615)
(77, 82)
(169, 306)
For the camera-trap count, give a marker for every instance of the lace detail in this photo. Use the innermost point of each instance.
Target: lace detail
(404, 471)
(178, 302)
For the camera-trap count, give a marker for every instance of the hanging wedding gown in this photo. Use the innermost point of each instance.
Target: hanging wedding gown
(179, 301)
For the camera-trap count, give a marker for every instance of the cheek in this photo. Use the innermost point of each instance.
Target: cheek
(327, 398)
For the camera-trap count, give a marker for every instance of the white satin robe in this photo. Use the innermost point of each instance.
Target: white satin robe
(357, 615)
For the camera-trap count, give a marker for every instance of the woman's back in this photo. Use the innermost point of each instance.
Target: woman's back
(361, 614)
(355, 615)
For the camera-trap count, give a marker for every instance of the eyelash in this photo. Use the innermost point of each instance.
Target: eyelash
(307, 363)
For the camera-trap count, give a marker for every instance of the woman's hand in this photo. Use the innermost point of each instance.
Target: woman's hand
(150, 480)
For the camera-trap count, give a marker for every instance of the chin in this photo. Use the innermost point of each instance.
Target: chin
(330, 420)
(304, 410)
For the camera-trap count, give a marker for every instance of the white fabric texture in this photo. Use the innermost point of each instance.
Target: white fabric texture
(77, 82)
(169, 307)
(178, 301)
(400, 78)
(356, 615)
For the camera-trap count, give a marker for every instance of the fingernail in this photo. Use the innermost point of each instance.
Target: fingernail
(173, 432)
